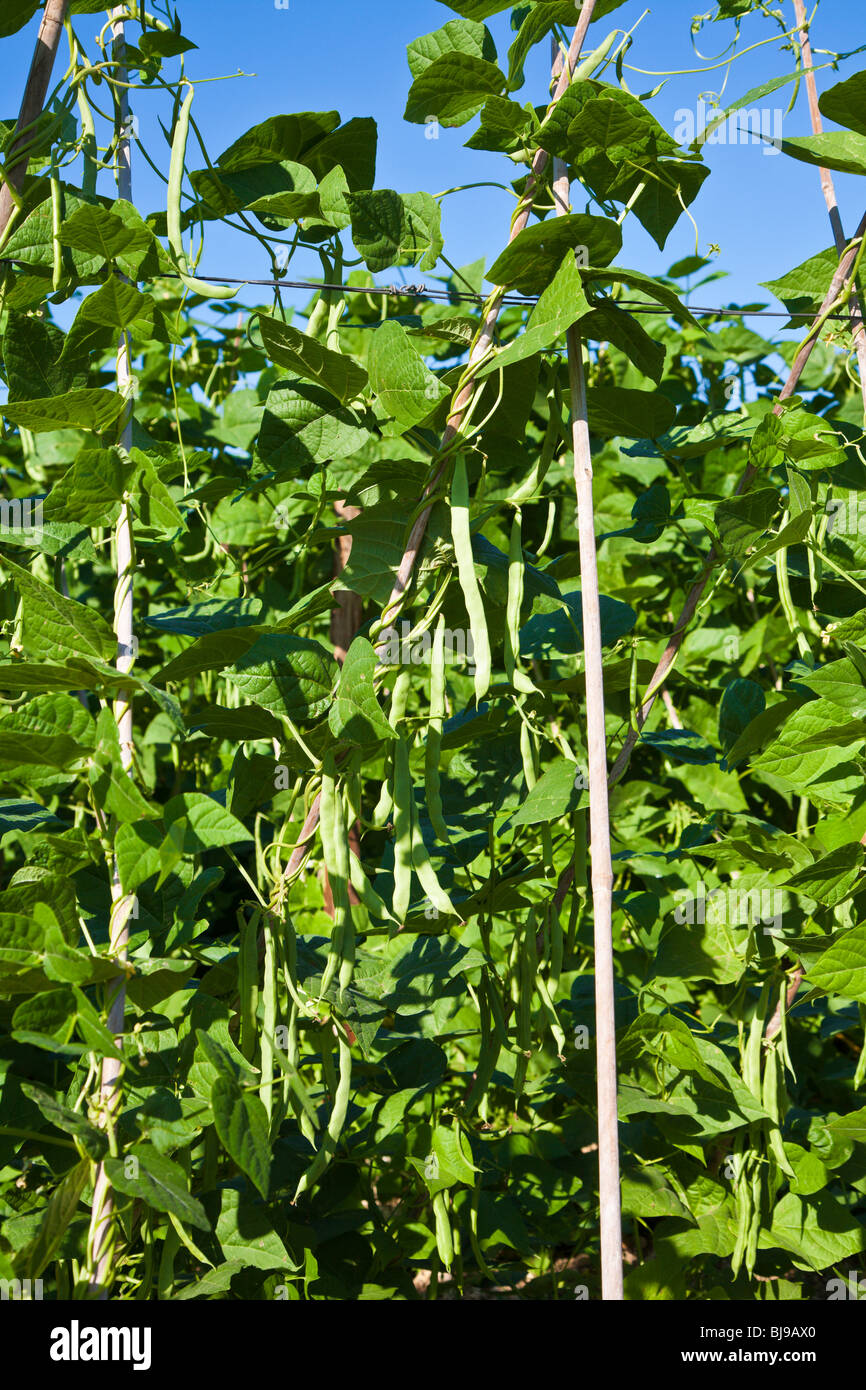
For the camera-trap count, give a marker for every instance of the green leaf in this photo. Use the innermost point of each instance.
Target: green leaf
(616, 410)
(99, 231)
(356, 716)
(392, 229)
(802, 289)
(560, 789)
(205, 823)
(846, 103)
(612, 325)
(562, 304)
(146, 1173)
(619, 125)
(349, 152)
(91, 1139)
(290, 676)
(24, 816)
(51, 1013)
(560, 633)
(834, 149)
(453, 88)
(214, 615)
(59, 1212)
(278, 138)
(301, 428)
(306, 357)
(840, 684)
(532, 259)
(743, 701)
(743, 520)
(245, 1232)
(92, 490)
(86, 410)
(17, 13)
(32, 241)
(832, 878)
(819, 1231)
(457, 36)
(53, 624)
(407, 389)
(31, 349)
(841, 969)
(242, 1125)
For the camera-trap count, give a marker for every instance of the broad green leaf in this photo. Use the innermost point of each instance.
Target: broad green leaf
(846, 103)
(306, 357)
(560, 633)
(32, 241)
(349, 152)
(840, 684)
(393, 229)
(532, 259)
(562, 304)
(742, 702)
(214, 615)
(831, 879)
(146, 1173)
(613, 325)
(31, 352)
(833, 149)
(741, 521)
(205, 823)
(53, 624)
(87, 410)
(802, 289)
(17, 13)
(616, 410)
(92, 490)
(453, 88)
(819, 1231)
(245, 1232)
(24, 816)
(290, 676)
(285, 190)
(560, 789)
(407, 388)
(98, 231)
(301, 428)
(457, 36)
(618, 124)
(356, 716)
(841, 969)
(278, 138)
(242, 1125)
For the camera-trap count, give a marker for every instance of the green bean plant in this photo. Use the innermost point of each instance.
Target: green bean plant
(431, 719)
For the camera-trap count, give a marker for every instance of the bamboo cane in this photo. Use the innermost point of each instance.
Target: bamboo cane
(102, 1234)
(829, 189)
(599, 818)
(32, 102)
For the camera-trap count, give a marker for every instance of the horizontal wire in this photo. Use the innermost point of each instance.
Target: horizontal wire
(448, 296)
(525, 301)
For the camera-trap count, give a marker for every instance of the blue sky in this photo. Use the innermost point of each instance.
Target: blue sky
(764, 211)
